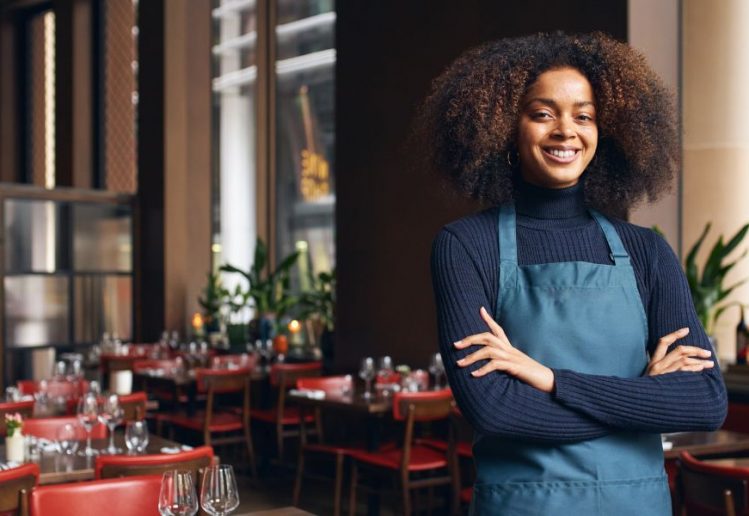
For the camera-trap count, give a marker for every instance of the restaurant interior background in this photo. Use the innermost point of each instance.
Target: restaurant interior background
(144, 144)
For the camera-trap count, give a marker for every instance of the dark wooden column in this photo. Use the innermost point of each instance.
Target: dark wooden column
(9, 138)
(148, 292)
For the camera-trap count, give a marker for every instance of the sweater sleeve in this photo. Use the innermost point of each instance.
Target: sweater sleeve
(496, 403)
(681, 401)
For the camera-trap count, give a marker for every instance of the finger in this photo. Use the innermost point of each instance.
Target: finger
(692, 365)
(495, 328)
(665, 341)
(487, 352)
(681, 352)
(481, 339)
(492, 365)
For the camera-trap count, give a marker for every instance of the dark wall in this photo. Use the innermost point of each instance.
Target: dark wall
(388, 211)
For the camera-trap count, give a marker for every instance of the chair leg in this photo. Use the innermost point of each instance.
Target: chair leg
(250, 451)
(338, 484)
(298, 481)
(279, 442)
(406, 498)
(352, 491)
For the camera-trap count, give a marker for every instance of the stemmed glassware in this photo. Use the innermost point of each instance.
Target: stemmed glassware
(218, 494)
(136, 436)
(88, 416)
(111, 415)
(177, 496)
(437, 368)
(367, 373)
(67, 439)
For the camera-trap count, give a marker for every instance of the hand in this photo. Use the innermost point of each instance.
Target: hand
(502, 356)
(681, 358)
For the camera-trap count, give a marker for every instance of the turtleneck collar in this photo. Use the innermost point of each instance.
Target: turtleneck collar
(550, 203)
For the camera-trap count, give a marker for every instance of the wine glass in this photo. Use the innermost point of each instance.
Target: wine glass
(367, 373)
(67, 439)
(111, 415)
(88, 416)
(437, 368)
(136, 436)
(218, 494)
(177, 496)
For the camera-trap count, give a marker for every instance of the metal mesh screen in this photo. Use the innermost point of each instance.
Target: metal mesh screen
(120, 96)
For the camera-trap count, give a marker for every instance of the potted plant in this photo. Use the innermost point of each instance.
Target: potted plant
(318, 307)
(706, 285)
(269, 290)
(212, 301)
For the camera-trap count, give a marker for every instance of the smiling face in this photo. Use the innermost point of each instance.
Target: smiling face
(557, 131)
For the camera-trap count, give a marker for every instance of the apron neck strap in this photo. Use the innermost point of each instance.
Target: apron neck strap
(618, 254)
(508, 247)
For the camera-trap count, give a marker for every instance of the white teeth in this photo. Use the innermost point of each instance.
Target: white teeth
(562, 153)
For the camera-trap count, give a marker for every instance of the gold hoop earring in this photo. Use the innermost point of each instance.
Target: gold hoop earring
(510, 162)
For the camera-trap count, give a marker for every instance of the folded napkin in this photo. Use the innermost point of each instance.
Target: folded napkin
(667, 445)
(175, 449)
(315, 394)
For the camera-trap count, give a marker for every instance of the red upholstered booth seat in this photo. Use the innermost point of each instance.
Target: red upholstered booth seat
(130, 496)
(46, 428)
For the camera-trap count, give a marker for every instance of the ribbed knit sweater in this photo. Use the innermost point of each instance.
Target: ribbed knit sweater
(555, 226)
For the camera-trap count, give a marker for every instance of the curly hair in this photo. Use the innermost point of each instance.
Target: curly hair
(468, 123)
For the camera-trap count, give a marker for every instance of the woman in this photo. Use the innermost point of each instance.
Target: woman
(569, 335)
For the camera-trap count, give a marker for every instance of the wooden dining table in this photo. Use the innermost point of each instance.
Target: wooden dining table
(56, 468)
(179, 383)
(720, 442)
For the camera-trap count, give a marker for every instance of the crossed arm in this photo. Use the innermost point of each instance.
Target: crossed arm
(502, 391)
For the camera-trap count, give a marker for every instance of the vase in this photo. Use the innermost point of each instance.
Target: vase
(15, 447)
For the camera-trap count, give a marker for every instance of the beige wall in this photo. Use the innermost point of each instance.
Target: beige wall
(716, 144)
(654, 30)
(187, 178)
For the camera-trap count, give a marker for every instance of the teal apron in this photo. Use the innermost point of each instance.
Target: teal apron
(588, 318)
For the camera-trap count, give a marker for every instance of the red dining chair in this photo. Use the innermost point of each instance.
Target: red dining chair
(25, 408)
(46, 428)
(130, 496)
(283, 416)
(416, 465)
(459, 450)
(330, 385)
(115, 466)
(711, 489)
(232, 427)
(15, 486)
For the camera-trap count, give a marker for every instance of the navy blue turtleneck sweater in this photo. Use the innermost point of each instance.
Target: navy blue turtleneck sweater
(555, 226)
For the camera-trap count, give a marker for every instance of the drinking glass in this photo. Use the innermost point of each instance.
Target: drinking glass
(67, 439)
(88, 416)
(367, 373)
(218, 494)
(111, 415)
(177, 496)
(136, 436)
(437, 368)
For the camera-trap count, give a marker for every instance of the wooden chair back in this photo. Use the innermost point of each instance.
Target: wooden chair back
(134, 406)
(709, 489)
(423, 407)
(25, 408)
(286, 376)
(116, 466)
(15, 486)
